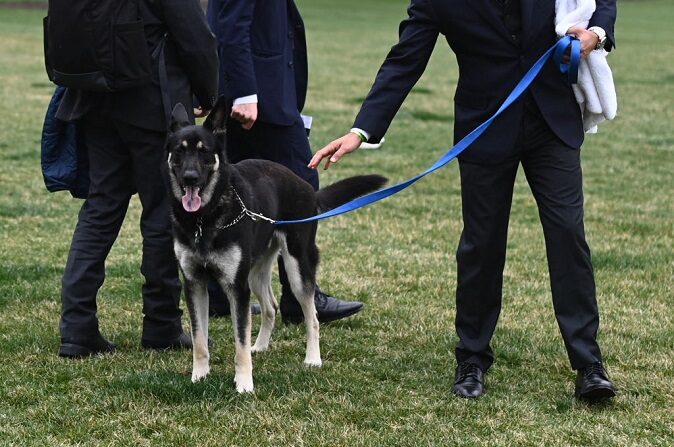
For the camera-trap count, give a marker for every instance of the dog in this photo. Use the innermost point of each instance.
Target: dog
(221, 230)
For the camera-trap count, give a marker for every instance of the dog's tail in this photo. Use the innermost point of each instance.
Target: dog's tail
(348, 189)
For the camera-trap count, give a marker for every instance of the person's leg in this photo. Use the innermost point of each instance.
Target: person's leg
(161, 289)
(98, 225)
(554, 173)
(486, 196)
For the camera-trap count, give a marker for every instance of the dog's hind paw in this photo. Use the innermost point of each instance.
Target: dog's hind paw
(313, 363)
(258, 348)
(244, 384)
(199, 374)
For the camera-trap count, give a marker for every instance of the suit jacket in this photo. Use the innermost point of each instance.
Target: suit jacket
(191, 64)
(263, 51)
(490, 65)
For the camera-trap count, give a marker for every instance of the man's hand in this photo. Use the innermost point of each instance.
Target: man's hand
(246, 114)
(588, 41)
(200, 112)
(336, 150)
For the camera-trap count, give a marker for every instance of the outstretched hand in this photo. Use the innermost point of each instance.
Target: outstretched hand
(336, 150)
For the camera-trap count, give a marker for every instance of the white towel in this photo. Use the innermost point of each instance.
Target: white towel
(595, 91)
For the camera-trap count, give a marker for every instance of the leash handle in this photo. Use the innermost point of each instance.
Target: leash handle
(557, 51)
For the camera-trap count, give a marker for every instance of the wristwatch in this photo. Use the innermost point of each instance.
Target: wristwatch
(599, 31)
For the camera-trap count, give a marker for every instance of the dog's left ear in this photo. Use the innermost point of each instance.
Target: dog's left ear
(179, 118)
(216, 121)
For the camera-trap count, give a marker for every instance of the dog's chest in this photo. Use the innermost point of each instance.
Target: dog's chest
(224, 262)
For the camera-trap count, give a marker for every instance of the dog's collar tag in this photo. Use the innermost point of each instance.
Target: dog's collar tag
(198, 233)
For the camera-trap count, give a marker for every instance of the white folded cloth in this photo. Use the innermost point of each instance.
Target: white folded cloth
(595, 90)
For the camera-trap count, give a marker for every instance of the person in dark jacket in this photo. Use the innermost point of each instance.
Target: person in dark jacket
(125, 133)
(495, 43)
(264, 73)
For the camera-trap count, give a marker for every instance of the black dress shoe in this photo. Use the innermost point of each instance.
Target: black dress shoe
(182, 341)
(76, 348)
(592, 383)
(328, 308)
(223, 310)
(469, 380)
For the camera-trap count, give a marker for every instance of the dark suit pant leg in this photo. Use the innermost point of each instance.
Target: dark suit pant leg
(161, 289)
(98, 225)
(554, 173)
(486, 195)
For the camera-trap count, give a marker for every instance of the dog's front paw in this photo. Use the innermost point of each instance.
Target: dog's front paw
(199, 373)
(244, 383)
(314, 362)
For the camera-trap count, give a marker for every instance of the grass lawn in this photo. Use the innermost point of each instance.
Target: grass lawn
(387, 372)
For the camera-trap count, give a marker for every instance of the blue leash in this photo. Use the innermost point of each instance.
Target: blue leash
(557, 51)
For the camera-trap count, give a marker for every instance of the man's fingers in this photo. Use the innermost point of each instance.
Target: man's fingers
(326, 152)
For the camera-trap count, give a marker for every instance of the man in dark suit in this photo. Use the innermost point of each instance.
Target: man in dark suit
(263, 69)
(495, 43)
(125, 133)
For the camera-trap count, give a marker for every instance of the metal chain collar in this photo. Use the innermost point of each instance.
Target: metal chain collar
(198, 233)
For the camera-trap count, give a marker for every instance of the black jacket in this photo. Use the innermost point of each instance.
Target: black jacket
(191, 63)
(490, 65)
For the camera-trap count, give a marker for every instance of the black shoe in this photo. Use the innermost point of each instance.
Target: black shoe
(469, 380)
(182, 341)
(76, 348)
(328, 308)
(223, 311)
(592, 383)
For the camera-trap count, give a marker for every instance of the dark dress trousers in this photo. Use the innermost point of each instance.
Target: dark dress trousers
(542, 131)
(125, 134)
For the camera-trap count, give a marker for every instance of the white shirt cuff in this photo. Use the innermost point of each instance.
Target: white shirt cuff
(250, 99)
(362, 132)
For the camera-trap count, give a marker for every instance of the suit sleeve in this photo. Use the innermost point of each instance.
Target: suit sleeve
(196, 46)
(402, 68)
(605, 16)
(234, 20)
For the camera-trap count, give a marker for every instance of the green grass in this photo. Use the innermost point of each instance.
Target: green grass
(387, 372)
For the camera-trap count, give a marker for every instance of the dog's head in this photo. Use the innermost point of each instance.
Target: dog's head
(194, 156)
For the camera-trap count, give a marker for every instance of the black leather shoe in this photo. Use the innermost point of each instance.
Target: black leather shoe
(468, 381)
(328, 308)
(223, 311)
(592, 383)
(182, 341)
(76, 348)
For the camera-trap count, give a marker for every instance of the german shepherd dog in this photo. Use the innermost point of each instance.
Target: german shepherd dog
(221, 232)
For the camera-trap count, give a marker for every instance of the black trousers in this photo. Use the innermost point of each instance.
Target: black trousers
(554, 174)
(123, 160)
(286, 145)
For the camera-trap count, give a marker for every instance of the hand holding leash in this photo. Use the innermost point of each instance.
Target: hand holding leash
(588, 41)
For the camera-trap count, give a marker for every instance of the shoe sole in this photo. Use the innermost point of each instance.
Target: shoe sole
(73, 351)
(597, 394)
(300, 319)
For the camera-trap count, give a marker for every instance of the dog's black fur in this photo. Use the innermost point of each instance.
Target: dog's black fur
(215, 239)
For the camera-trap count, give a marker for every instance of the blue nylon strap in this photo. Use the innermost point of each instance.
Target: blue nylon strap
(557, 51)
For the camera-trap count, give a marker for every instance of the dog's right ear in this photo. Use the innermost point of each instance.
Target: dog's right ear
(179, 118)
(216, 121)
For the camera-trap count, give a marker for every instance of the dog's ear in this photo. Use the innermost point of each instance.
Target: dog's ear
(216, 121)
(179, 118)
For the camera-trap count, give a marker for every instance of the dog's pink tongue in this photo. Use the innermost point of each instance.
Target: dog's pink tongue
(191, 199)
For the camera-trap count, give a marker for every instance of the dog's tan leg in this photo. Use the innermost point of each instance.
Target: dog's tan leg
(197, 301)
(243, 362)
(259, 280)
(303, 289)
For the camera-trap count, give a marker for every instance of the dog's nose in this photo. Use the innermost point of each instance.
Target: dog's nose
(190, 177)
